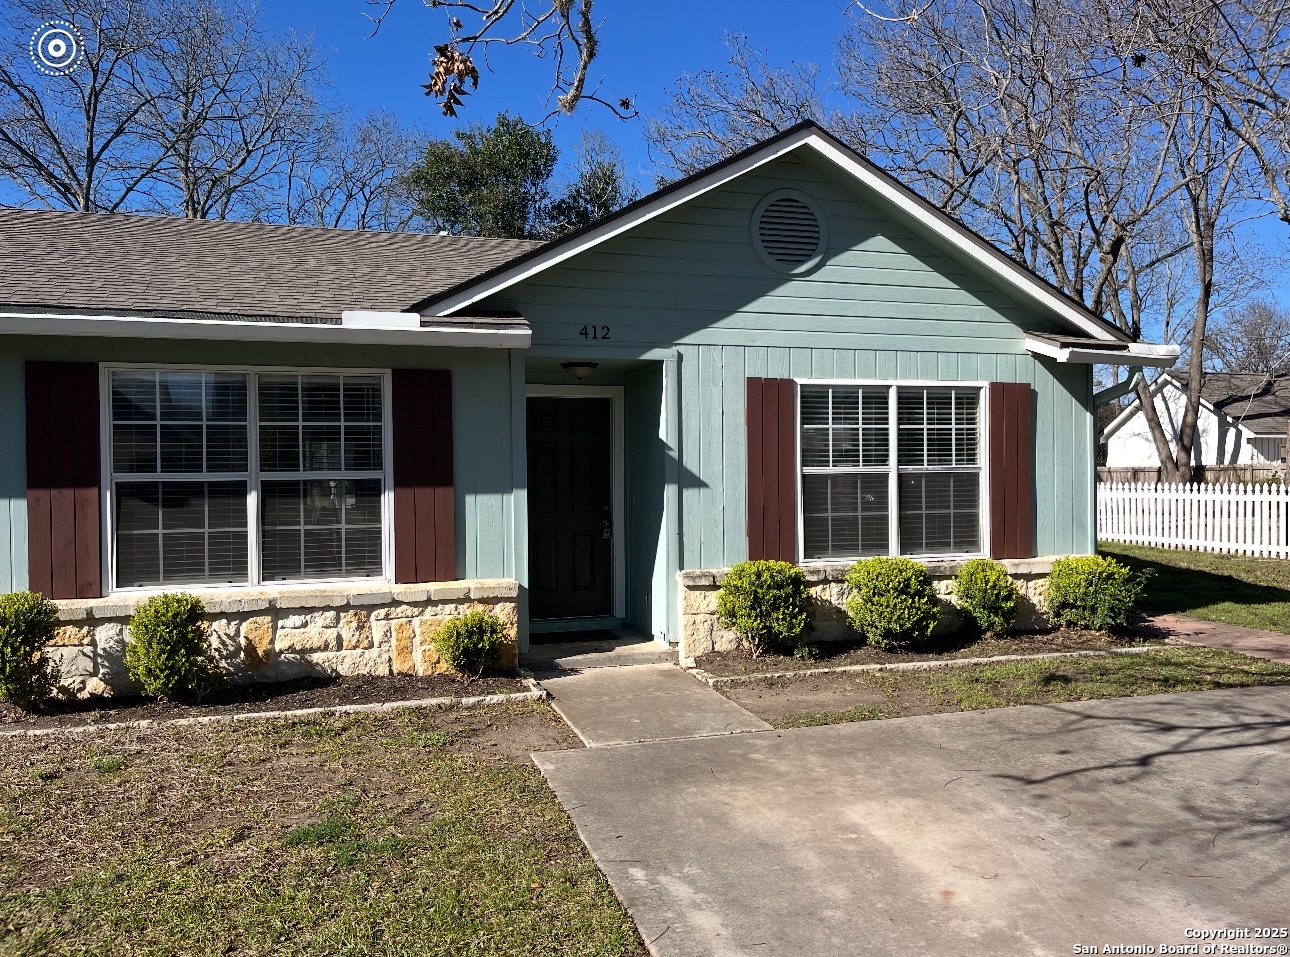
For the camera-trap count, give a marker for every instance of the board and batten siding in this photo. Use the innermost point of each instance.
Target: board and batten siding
(887, 303)
(484, 467)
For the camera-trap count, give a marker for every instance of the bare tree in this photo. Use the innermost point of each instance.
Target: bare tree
(563, 30)
(76, 141)
(240, 102)
(1238, 51)
(715, 113)
(356, 177)
(180, 106)
(1017, 119)
(1253, 337)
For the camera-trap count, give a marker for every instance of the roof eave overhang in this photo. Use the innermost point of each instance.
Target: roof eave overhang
(137, 327)
(1161, 356)
(1019, 280)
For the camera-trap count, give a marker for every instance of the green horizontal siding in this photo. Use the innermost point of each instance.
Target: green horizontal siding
(482, 412)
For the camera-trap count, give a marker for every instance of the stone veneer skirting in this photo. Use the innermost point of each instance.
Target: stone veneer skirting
(265, 634)
(700, 634)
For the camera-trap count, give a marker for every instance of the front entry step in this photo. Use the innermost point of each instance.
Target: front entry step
(605, 650)
(651, 702)
(598, 660)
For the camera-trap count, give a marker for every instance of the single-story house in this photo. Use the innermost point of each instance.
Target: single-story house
(339, 438)
(1242, 420)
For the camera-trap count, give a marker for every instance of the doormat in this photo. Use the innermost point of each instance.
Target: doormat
(571, 637)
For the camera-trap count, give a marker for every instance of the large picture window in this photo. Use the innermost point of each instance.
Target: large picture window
(890, 469)
(244, 477)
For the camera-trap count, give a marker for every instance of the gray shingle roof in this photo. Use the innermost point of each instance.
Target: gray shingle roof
(120, 264)
(1260, 403)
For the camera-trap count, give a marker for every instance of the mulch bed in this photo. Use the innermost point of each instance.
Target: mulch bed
(843, 652)
(246, 699)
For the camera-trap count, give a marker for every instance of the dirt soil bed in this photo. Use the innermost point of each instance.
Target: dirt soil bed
(868, 695)
(395, 833)
(835, 654)
(244, 699)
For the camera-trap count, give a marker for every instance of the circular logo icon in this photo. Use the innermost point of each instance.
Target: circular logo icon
(57, 48)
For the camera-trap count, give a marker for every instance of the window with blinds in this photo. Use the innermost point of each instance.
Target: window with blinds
(890, 469)
(225, 477)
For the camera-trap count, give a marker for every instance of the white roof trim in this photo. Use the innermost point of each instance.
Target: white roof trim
(1137, 353)
(1135, 407)
(1017, 277)
(144, 327)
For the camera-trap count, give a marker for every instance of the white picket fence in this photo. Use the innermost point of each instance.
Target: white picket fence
(1233, 519)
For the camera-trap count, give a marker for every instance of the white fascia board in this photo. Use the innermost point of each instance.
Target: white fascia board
(616, 227)
(164, 327)
(1137, 353)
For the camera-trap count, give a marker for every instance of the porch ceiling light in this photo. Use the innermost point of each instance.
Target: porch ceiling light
(579, 370)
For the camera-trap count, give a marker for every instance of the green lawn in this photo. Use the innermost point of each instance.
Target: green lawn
(892, 694)
(1254, 592)
(399, 835)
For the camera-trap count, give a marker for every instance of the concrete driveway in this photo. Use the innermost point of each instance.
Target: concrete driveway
(1017, 831)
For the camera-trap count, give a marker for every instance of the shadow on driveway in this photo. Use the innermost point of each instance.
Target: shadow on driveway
(1014, 831)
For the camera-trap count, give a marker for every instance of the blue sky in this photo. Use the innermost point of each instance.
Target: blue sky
(645, 47)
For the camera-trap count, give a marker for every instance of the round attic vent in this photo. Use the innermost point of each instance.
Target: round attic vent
(789, 231)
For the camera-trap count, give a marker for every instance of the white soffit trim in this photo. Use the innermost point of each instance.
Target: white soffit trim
(149, 327)
(1019, 278)
(1123, 354)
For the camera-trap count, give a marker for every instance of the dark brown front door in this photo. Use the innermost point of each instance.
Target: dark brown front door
(570, 520)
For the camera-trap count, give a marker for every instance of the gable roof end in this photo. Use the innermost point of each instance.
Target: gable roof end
(805, 135)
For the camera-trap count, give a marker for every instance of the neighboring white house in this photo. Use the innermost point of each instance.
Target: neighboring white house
(1242, 421)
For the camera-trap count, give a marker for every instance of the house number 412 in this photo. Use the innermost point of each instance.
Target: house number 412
(595, 332)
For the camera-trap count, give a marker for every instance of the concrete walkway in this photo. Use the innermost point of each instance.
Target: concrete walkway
(649, 702)
(1017, 831)
(1271, 645)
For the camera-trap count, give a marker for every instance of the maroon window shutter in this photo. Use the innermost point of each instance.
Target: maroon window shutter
(425, 541)
(64, 557)
(1012, 529)
(771, 415)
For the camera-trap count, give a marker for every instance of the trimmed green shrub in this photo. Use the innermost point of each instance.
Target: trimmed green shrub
(1092, 591)
(471, 642)
(892, 602)
(27, 622)
(765, 603)
(169, 651)
(987, 596)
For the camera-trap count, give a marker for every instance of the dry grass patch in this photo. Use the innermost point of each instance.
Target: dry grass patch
(411, 833)
(866, 696)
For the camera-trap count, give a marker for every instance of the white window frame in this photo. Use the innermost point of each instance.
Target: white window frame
(893, 467)
(253, 475)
